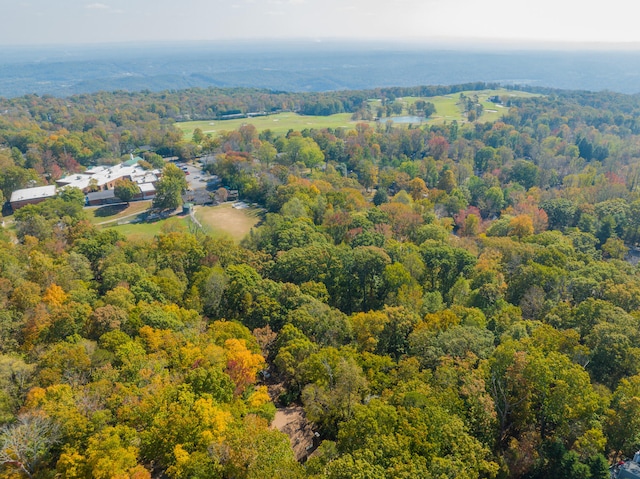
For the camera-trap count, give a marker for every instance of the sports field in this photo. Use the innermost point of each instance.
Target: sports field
(222, 220)
(225, 220)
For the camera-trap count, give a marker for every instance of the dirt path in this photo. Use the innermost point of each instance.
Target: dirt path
(293, 422)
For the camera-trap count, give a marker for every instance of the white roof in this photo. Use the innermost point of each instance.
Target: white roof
(106, 174)
(33, 193)
(148, 178)
(95, 169)
(147, 187)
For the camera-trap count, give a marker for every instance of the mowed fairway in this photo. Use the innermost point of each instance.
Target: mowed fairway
(225, 220)
(279, 124)
(447, 110)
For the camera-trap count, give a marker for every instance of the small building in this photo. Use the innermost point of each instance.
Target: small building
(147, 191)
(199, 197)
(233, 195)
(99, 198)
(31, 196)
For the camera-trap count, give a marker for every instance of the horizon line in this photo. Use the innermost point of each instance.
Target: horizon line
(458, 43)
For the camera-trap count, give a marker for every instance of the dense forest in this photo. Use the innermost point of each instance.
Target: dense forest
(454, 300)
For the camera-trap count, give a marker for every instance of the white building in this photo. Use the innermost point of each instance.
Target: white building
(104, 177)
(31, 196)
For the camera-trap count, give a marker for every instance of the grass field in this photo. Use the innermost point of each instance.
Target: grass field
(112, 213)
(279, 124)
(447, 110)
(146, 231)
(224, 220)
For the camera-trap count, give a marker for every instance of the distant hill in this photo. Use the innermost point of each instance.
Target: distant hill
(302, 67)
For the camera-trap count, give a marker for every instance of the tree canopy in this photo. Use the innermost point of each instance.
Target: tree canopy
(454, 299)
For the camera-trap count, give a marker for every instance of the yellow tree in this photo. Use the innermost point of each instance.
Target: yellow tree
(242, 364)
(520, 226)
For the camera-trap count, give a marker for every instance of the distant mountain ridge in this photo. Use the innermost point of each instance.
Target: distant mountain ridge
(72, 70)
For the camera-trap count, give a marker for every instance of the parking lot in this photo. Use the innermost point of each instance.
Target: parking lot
(196, 178)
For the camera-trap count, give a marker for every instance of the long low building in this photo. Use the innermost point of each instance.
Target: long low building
(107, 197)
(31, 196)
(105, 177)
(104, 197)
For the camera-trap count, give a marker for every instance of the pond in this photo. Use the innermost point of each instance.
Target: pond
(407, 119)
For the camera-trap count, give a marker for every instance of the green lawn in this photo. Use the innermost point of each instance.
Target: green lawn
(447, 110)
(109, 213)
(146, 231)
(279, 124)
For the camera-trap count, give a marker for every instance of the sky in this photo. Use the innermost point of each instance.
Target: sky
(502, 22)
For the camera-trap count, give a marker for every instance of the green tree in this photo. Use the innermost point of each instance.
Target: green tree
(170, 188)
(561, 212)
(267, 153)
(524, 172)
(125, 189)
(338, 386)
(368, 267)
(623, 421)
(305, 150)
(447, 180)
(253, 451)
(380, 196)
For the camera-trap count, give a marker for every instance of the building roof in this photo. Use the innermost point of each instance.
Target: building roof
(106, 174)
(147, 187)
(33, 193)
(101, 195)
(148, 177)
(133, 161)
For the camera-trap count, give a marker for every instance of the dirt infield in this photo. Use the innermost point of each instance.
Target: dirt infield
(227, 220)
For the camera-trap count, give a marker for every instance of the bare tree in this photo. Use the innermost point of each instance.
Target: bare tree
(26, 444)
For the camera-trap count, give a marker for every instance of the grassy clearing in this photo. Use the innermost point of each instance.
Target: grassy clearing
(447, 110)
(224, 220)
(279, 124)
(109, 213)
(146, 231)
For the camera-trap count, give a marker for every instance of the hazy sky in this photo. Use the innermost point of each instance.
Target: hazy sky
(76, 21)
